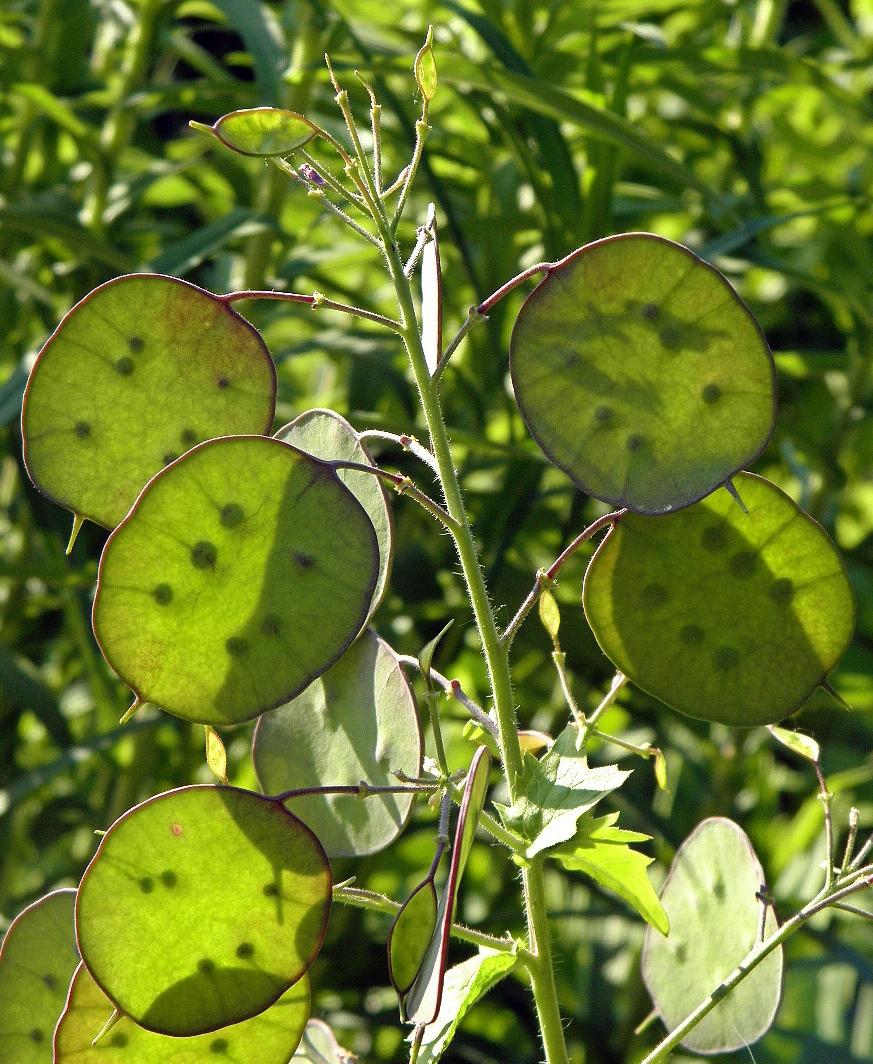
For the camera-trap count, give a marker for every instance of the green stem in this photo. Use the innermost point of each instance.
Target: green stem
(539, 965)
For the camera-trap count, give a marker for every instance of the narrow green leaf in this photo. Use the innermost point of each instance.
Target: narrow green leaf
(641, 374)
(410, 936)
(138, 372)
(465, 985)
(555, 791)
(601, 851)
(243, 573)
(262, 131)
(422, 1003)
(358, 722)
(268, 1038)
(710, 899)
(425, 657)
(262, 34)
(140, 910)
(800, 744)
(724, 616)
(37, 959)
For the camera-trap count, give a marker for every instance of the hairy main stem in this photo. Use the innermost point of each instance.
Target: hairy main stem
(496, 654)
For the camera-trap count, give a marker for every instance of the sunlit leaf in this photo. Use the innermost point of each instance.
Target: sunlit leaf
(465, 984)
(263, 131)
(142, 916)
(425, 68)
(410, 936)
(603, 852)
(216, 756)
(358, 722)
(550, 615)
(641, 374)
(325, 434)
(137, 373)
(555, 791)
(37, 960)
(422, 1003)
(710, 899)
(725, 616)
(242, 573)
(269, 1038)
(800, 744)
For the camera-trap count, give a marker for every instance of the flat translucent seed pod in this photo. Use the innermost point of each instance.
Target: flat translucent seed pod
(641, 373)
(262, 131)
(242, 573)
(201, 908)
(326, 435)
(726, 616)
(711, 899)
(357, 722)
(37, 960)
(410, 936)
(137, 373)
(422, 1004)
(269, 1038)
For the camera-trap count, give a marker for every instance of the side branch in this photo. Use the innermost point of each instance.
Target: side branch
(403, 486)
(318, 302)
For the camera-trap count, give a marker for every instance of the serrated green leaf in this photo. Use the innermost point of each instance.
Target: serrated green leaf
(37, 959)
(465, 984)
(555, 791)
(141, 903)
(725, 616)
(326, 435)
(262, 131)
(268, 1038)
(244, 571)
(138, 372)
(603, 852)
(641, 374)
(357, 722)
(710, 899)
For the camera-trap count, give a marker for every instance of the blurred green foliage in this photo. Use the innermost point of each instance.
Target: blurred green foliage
(741, 128)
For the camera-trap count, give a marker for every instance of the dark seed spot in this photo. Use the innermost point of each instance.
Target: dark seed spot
(271, 625)
(124, 366)
(271, 890)
(245, 949)
(119, 1039)
(83, 430)
(163, 594)
(218, 1045)
(650, 311)
(711, 394)
(189, 437)
(718, 890)
(203, 555)
(169, 879)
(743, 564)
(206, 966)
(654, 595)
(714, 538)
(782, 591)
(170, 457)
(604, 415)
(50, 981)
(136, 344)
(223, 382)
(681, 953)
(147, 885)
(725, 659)
(232, 515)
(670, 337)
(692, 635)
(305, 561)
(236, 647)
(36, 1036)
(634, 443)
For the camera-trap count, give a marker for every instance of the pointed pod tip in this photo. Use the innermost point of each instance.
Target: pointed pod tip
(731, 489)
(78, 521)
(107, 1027)
(202, 127)
(835, 694)
(131, 711)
